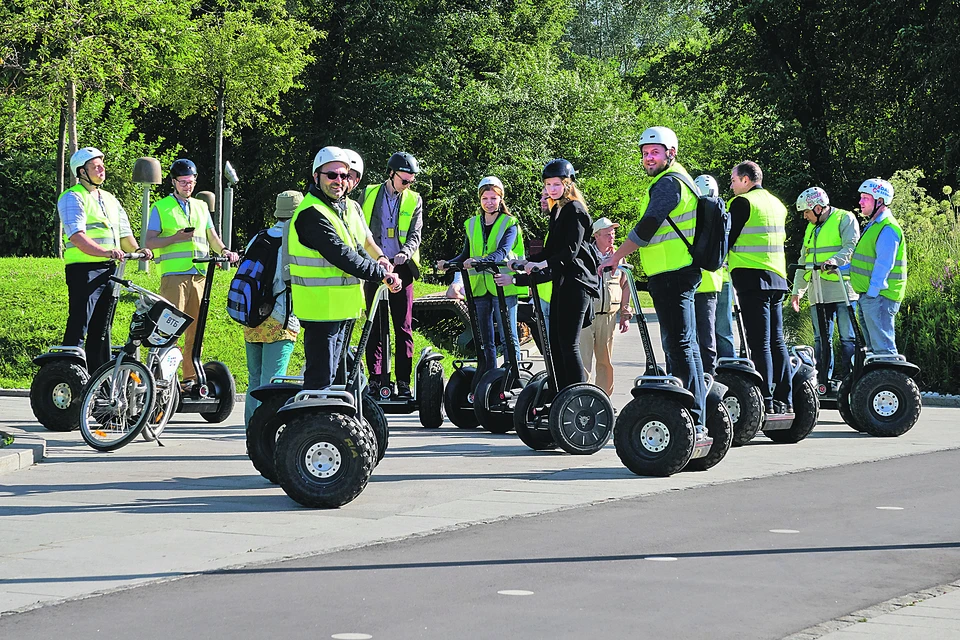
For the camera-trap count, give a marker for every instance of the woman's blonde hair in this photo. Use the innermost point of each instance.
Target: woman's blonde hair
(570, 192)
(503, 202)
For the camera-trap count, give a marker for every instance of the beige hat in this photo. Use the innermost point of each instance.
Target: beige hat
(604, 223)
(287, 203)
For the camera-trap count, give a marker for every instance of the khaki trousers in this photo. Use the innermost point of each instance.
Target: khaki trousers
(184, 292)
(596, 341)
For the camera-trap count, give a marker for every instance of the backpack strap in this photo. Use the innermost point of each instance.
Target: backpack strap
(679, 177)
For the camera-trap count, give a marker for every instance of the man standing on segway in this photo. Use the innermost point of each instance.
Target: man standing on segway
(96, 233)
(830, 238)
(181, 229)
(325, 268)
(664, 257)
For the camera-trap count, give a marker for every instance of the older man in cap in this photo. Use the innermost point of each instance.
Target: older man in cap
(597, 339)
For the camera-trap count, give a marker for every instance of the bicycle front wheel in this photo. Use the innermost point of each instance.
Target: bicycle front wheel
(117, 403)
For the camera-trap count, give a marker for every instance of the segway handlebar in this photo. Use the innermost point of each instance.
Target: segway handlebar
(214, 259)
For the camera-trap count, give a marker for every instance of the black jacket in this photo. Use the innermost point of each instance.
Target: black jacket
(568, 250)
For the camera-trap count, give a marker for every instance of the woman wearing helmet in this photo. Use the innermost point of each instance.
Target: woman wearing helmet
(493, 234)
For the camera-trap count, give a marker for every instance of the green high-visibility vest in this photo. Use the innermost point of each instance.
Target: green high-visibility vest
(482, 283)
(823, 245)
(178, 257)
(712, 281)
(760, 244)
(103, 225)
(666, 251)
(865, 255)
(408, 204)
(545, 289)
(321, 291)
(355, 223)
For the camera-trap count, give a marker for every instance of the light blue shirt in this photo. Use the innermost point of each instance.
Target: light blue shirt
(887, 245)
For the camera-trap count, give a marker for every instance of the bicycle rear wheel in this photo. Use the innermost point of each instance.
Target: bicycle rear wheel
(115, 408)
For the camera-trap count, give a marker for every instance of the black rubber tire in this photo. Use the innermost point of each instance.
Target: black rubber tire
(806, 409)
(223, 388)
(490, 386)
(100, 381)
(455, 399)
(377, 419)
(664, 416)
(893, 384)
(430, 395)
(66, 372)
(720, 428)
(262, 436)
(843, 404)
(581, 419)
(523, 420)
(166, 405)
(351, 441)
(743, 394)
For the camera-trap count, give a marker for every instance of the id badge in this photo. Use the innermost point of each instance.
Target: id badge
(389, 233)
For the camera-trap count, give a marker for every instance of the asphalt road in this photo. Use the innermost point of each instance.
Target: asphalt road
(752, 559)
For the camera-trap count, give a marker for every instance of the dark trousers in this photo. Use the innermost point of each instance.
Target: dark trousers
(89, 311)
(706, 307)
(567, 309)
(762, 312)
(673, 298)
(525, 315)
(321, 350)
(401, 310)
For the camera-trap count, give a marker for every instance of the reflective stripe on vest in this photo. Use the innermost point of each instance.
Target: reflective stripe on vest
(178, 257)
(482, 283)
(865, 256)
(102, 225)
(408, 204)
(822, 245)
(666, 251)
(760, 244)
(321, 291)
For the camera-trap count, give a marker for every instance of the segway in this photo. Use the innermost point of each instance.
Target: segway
(497, 390)
(213, 395)
(655, 434)
(578, 418)
(744, 397)
(57, 387)
(458, 397)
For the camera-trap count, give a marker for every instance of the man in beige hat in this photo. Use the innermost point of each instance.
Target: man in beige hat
(597, 339)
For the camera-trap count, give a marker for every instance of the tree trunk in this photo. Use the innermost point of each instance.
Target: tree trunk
(72, 123)
(218, 157)
(61, 142)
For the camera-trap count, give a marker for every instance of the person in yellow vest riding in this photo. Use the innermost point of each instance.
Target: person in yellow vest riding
(664, 257)
(326, 271)
(758, 269)
(707, 297)
(878, 269)
(831, 235)
(96, 233)
(394, 214)
(493, 235)
(181, 229)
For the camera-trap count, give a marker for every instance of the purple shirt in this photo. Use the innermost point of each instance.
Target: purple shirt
(389, 221)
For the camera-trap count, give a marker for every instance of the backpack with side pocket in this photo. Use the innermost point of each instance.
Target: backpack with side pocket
(251, 299)
(711, 239)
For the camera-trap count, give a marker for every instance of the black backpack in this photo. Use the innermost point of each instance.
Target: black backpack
(250, 300)
(711, 237)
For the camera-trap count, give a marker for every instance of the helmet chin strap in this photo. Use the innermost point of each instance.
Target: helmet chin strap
(86, 178)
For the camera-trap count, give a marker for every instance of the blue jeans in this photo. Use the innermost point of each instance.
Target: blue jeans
(264, 361)
(763, 323)
(825, 364)
(724, 322)
(706, 306)
(877, 323)
(488, 307)
(673, 294)
(512, 319)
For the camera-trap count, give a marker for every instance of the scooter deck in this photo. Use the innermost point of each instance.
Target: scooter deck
(778, 421)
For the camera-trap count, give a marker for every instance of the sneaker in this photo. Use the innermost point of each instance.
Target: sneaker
(403, 389)
(780, 408)
(186, 387)
(373, 388)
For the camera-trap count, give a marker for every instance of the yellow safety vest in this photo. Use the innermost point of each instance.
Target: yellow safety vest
(760, 244)
(482, 283)
(666, 251)
(408, 204)
(321, 291)
(821, 246)
(712, 281)
(178, 257)
(103, 225)
(865, 255)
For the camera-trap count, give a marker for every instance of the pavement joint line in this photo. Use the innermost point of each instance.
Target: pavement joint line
(863, 615)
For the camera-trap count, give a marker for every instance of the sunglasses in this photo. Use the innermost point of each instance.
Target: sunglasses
(406, 182)
(333, 175)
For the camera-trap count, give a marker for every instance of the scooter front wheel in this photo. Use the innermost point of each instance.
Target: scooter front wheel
(525, 421)
(886, 402)
(806, 409)
(430, 395)
(654, 436)
(745, 404)
(456, 399)
(377, 420)
(56, 393)
(488, 395)
(581, 419)
(223, 388)
(843, 404)
(720, 428)
(262, 436)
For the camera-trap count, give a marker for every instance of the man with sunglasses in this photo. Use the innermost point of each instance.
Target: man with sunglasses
(327, 266)
(181, 229)
(394, 214)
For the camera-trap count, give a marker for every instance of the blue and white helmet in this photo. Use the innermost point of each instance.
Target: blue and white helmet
(812, 197)
(879, 188)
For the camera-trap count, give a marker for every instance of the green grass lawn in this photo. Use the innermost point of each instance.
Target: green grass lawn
(34, 314)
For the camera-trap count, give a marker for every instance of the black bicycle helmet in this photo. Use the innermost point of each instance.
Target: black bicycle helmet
(403, 161)
(182, 167)
(559, 168)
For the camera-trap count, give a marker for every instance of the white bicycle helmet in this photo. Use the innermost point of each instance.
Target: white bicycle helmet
(708, 185)
(660, 135)
(491, 180)
(356, 162)
(330, 154)
(812, 197)
(879, 189)
(82, 157)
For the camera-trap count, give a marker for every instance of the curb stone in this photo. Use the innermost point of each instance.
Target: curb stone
(26, 451)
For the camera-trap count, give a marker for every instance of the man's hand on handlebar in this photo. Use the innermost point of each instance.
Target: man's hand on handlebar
(468, 263)
(530, 266)
(393, 282)
(516, 265)
(232, 256)
(384, 262)
(503, 279)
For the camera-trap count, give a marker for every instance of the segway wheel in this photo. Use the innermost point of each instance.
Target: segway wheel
(56, 393)
(843, 404)
(456, 399)
(886, 402)
(168, 398)
(374, 416)
(524, 420)
(745, 404)
(654, 436)
(262, 436)
(223, 388)
(806, 409)
(581, 419)
(720, 428)
(430, 395)
(488, 393)
(324, 459)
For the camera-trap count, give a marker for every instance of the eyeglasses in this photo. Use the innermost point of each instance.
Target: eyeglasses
(185, 182)
(333, 175)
